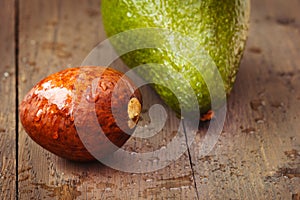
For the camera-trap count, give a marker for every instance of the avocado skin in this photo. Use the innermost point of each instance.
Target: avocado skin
(219, 27)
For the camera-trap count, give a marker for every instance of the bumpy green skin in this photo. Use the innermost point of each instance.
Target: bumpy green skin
(220, 26)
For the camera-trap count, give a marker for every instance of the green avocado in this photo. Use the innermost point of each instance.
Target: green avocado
(182, 45)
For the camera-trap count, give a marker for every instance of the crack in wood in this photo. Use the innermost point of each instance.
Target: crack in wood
(190, 160)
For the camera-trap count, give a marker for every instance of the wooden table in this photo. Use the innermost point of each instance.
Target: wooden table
(257, 155)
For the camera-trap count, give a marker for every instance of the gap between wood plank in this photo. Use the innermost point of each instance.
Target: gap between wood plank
(190, 159)
(17, 92)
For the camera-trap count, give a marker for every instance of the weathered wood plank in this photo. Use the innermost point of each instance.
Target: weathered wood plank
(258, 153)
(7, 98)
(58, 34)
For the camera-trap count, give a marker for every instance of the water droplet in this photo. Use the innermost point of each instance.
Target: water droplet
(183, 145)
(6, 74)
(163, 188)
(205, 180)
(55, 135)
(249, 130)
(277, 104)
(91, 96)
(155, 160)
(259, 120)
(163, 147)
(185, 186)
(38, 115)
(129, 14)
(148, 144)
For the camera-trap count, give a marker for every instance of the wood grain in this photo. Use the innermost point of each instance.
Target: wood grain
(59, 34)
(7, 98)
(258, 153)
(256, 156)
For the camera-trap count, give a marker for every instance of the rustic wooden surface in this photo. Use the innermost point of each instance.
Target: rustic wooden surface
(7, 98)
(257, 155)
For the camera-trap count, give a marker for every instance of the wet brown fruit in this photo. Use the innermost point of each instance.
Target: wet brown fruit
(94, 106)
